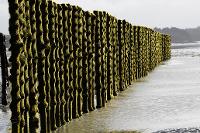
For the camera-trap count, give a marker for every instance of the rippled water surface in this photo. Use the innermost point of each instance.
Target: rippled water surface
(168, 98)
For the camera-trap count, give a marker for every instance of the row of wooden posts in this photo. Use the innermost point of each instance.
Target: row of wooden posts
(63, 58)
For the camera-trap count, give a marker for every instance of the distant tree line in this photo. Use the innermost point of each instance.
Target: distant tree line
(182, 35)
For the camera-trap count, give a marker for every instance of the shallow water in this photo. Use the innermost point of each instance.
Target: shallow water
(168, 98)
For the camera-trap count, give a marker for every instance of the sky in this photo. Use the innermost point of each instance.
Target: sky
(150, 13)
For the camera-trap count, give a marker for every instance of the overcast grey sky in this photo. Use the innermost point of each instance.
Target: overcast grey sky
(150, 13)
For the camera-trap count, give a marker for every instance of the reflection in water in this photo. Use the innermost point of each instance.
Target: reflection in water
(4, 119)
(168, 98)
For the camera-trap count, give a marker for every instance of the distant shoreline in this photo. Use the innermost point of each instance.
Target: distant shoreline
(186, 42)
(185, 45)
(188, 35)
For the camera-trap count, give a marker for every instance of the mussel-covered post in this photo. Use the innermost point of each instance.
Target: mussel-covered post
(93, 81)
(76, 43)
(132, 58)
(82, 42)
(61, 64)
(126, 51)
(136, 43)
(121, 55)
(109, 58)
(98, 60)
(115, 56)
(47, 46)
(71, 62)
(41, 67)
(103, 50)
(52, 36)
(87, 61)
(66, 57)
(57, 64)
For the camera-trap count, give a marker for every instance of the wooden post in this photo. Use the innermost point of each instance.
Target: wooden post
(4, 69)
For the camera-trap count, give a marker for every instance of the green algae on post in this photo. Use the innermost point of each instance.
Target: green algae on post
(52, 68)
